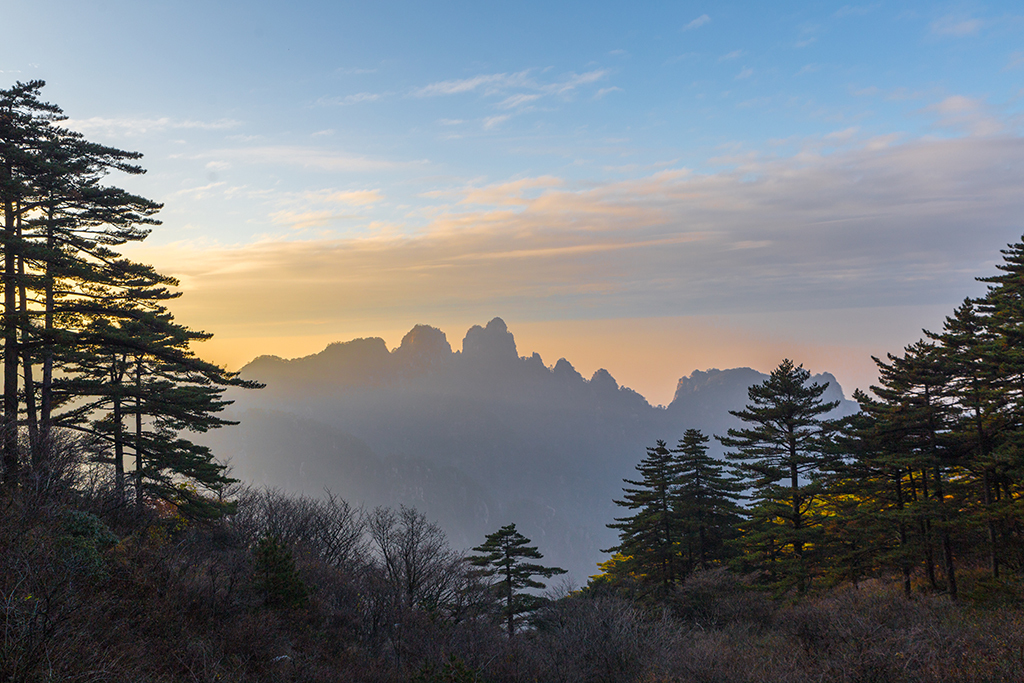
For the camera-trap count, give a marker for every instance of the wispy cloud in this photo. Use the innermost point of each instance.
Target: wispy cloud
(487, 82)
(1016, 61)
(201, 191)
(519, 91)
(697, 23)
(956, 26)
(745, 72)
(510, 193)
(346, 197)
(966, 114)
(356, 98)
(503, 83)
(303, 220)
(495, 121)
(131, 127)
(735, 54)
(301, 211)
(308, 157)
(520, 100)
(604, 91)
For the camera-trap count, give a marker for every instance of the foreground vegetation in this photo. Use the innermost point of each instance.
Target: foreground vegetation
(90, 592)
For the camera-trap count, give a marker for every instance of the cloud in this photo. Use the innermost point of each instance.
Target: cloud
(517, 101)
(301, 220)
(495, 121)
(202, 191)
(513, 192)
(346, 197)
(133, 127)
(574, 81)
(956, 26)
(357, 98)
(1016, 61)
(843, 135)
(498, 84)
(307, 157)
(697, 23)
(487, 82)
(891, 225)
(746, 72)
(966, 114)
(605, 91)
(319, 208)
(735, 54)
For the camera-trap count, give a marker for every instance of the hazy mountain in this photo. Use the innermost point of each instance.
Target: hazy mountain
(475, 438)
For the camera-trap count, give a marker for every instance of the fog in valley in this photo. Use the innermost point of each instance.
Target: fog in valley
(475, 438)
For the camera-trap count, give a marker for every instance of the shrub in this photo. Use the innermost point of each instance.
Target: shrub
(277, 577)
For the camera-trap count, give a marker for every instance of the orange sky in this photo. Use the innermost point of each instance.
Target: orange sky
(646, 354)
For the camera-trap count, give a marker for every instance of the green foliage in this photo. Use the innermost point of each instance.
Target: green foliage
(685, 510)
(276, 576)
(707, 503)
(88, 343)
(784, 452)
(649, 540)
(83, 540)
(504, 556)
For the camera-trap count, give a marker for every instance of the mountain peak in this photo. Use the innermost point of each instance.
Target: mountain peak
(491, 343)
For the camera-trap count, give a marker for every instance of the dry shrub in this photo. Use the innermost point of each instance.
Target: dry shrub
(602, 639)
(716, 598)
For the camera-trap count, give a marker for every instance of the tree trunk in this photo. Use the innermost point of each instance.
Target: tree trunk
(990, 523)
(9, 321)
(947, 544)
(26, 363)
(118, 431)
(138, 432)
(904, 565)
(46, 390)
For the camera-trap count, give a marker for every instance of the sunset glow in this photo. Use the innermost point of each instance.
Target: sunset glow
(650, 190)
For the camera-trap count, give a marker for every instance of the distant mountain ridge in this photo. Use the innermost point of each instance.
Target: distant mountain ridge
(475, 438)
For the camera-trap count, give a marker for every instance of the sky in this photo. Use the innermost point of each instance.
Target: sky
(649, 187)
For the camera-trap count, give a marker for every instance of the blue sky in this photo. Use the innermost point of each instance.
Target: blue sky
(649, 187)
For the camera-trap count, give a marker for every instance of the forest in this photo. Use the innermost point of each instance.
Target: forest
(884, 546)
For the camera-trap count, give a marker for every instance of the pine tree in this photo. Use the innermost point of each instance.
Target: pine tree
(504, 555)
(276, 576)
(94, 321)
(784, 452)
(706, 502)
(59, 223)
(650, 539)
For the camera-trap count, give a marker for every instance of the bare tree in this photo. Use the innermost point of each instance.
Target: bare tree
(419, 565)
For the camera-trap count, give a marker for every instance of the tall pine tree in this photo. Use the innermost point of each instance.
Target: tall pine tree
(783, 452)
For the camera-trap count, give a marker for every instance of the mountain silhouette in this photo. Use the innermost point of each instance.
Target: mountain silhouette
(475, 438)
